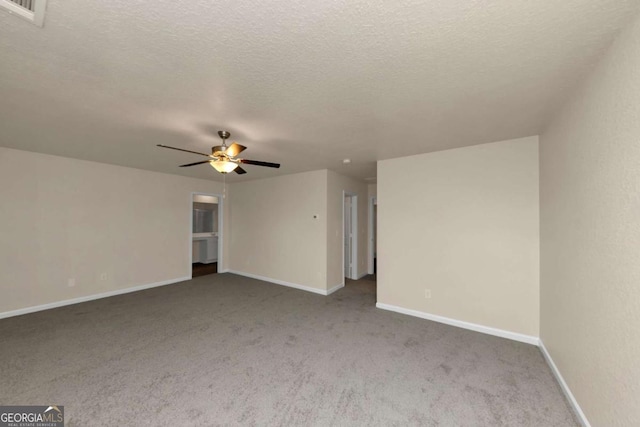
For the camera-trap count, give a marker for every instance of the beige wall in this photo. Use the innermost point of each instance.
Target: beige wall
(273, 232)
(590, 238)
(336, 184)
(463, 223)
(372, 190)
(106, 227)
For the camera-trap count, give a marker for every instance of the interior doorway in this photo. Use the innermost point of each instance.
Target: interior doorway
(372, 265)
(350, 236)
(206, 234)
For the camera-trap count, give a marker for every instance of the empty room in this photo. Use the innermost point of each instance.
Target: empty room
(365, 213)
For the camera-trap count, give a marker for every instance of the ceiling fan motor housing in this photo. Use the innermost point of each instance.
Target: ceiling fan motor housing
(218, 150)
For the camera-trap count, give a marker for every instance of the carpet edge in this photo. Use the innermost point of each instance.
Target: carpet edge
(515, 336)
(564, 386)
(62, 303)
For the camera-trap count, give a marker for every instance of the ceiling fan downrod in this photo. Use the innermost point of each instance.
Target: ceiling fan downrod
(224, 135)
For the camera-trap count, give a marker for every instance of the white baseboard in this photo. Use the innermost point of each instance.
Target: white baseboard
(565, 388)
(335, 288)
(72, 301)
(461, 324)
(280, 282)
(360, 276)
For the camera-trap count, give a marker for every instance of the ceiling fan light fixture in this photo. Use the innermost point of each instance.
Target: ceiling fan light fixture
(223, 158)
(223, 166)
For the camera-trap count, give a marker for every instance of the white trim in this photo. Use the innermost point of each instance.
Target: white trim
(565, 388)
(36, 17)
(355, 237)
(344, 195)
(335, 288)
(360, 276)
(280, 282)
(461, 324)
(78, 300)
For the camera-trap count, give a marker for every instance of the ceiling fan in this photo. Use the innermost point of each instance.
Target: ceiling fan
(223, 158)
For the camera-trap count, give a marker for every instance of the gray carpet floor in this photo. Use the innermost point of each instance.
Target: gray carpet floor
(227, 350)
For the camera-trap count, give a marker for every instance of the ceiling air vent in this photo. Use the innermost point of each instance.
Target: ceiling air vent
(31, 10)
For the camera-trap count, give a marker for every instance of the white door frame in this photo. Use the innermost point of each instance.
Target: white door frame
(220, 228)
(372, 229)
(354, 235)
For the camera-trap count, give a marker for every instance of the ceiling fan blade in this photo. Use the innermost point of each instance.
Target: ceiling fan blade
(259, 163)
(181, 149)
(234, 149)
(239, 170)
(196, 163)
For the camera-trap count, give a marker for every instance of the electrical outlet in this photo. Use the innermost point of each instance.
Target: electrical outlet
(103, 276)
(71, 282)
(427, 293)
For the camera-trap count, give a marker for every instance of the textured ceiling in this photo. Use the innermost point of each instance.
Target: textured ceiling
(304, 83)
